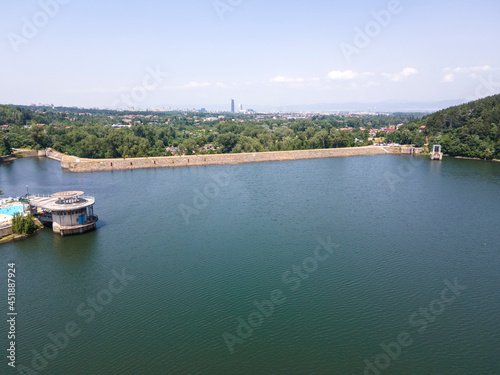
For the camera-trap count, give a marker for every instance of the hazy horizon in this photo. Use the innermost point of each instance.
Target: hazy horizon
(197, 54)
(387, 107)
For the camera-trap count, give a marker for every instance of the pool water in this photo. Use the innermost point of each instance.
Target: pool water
(11, 210)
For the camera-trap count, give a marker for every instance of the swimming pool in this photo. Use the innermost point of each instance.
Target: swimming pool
(11, 210)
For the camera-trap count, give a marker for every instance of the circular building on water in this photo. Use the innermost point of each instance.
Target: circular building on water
(72, 212)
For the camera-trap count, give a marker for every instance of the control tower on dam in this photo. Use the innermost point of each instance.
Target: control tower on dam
(72, 212)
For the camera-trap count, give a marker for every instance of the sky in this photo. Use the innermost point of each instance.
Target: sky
(262, 54)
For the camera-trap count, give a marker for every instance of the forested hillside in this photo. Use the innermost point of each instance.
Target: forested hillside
(470, 130)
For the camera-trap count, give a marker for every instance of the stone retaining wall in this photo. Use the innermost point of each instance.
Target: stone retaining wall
(51, 154)
(89, 165)
(5, 231)
(412, 150)
(27, 153)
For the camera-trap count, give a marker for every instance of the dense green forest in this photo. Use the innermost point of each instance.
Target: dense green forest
(470, 130)
(90, 135)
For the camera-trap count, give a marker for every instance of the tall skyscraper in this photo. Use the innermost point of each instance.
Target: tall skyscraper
(232, 105)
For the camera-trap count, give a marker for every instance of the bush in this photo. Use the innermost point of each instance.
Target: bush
(23, 224)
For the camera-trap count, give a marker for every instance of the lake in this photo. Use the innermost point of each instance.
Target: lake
(365, 265)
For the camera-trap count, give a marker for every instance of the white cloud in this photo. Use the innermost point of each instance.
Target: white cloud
(448, 78)
(196, 85)
(473, 72)
(485, 68)
(337, 75)
(281, 79)
(405, 73)
(190, 85)
(372, 83)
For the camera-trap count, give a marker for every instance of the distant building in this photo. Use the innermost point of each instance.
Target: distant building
(172, 149)
(232, 105)
(241, 107)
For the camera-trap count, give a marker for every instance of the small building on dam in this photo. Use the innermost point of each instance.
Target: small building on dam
(69, 212)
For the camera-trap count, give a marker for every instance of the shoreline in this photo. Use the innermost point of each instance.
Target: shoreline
(18, 237)
(74, 164)
(467, 158)
(6, 234)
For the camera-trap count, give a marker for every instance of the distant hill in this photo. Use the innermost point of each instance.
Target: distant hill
(477, 116)
(470, 130)
(381, 107)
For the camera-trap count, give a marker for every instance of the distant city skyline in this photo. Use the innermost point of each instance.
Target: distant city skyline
(333, 108)
(283, 54)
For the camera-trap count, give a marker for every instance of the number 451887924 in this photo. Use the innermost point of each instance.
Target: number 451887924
(11, 284)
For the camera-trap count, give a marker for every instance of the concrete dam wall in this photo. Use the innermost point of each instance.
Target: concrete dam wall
(75, 164)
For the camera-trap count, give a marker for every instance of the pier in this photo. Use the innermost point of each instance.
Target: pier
(436, 153)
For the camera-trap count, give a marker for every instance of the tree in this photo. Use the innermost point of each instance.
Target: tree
(227, 141)
(418, 139)
(189, 146)
(90, 147)
(23, 224)
(5, 148)
(38, 137)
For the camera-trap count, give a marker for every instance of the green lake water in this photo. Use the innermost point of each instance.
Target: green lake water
(373, 265)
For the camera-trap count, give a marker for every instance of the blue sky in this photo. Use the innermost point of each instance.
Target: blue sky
(261, 53)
